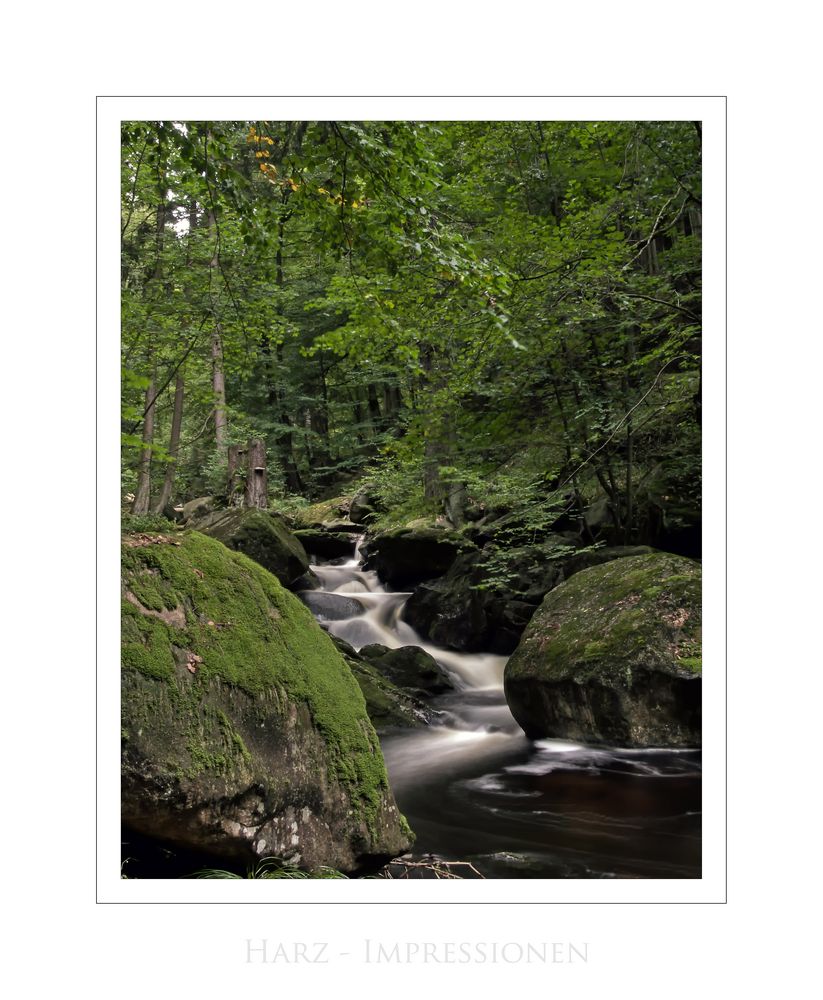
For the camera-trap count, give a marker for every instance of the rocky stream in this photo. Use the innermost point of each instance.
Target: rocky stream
(474, 788)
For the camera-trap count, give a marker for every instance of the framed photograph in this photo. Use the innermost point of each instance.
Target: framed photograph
(412, 543)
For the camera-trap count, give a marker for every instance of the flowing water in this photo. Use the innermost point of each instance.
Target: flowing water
(474, 788)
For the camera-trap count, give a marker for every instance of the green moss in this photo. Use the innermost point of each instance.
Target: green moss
(145, 645)
(252, 634)
(608, 620)
(694, 664)
(593, 650)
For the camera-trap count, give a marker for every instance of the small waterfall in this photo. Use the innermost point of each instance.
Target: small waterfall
(381, 622)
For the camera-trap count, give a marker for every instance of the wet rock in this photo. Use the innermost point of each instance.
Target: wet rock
(406, 556)
(364, 507)
(345, 526)
(410, 668)
(327, 544)
(308, 581)
(388, 706)
(613, 656)
(331, 607)
(486, 599)
(197, 508)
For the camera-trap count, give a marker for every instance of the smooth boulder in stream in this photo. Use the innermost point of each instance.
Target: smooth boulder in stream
(326, 543)
(331, 607)
(390, 707)
(613, 656)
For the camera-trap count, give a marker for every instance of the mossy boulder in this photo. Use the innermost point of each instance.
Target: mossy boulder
(261, 536)
(613, 656)
(197, 508)
(316, 514)
(409, 555)
(244, 732)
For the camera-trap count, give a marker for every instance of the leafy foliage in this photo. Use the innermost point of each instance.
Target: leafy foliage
(472, 315)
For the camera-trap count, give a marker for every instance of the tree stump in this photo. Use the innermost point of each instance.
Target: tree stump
(256, 478)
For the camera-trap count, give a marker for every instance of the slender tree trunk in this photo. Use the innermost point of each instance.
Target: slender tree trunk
(431, 454)
(274, 396)
(142, 495)
(631, 354)
(221, 429)
(174, 445)
(375, 415)
(392, 401)
(439, 450)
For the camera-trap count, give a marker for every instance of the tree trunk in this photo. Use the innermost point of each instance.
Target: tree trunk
(221, 429)
(375, 415)
(256, 479)
(174, 446)
(235, 483)
(142, 495)
(440, 449)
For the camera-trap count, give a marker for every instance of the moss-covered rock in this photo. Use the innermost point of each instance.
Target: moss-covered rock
(244, 733)
(365, 506)
(613, 655)
(410, 668)
(406, 556)
(261, 536)
(389, 706)
(316, 514)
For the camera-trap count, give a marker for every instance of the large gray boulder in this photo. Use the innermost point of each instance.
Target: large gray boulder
(364, 506)
(261, 536)
(244, 733)
(197, 508)
(613, 656)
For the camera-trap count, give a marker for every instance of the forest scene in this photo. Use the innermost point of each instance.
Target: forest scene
(411, 499)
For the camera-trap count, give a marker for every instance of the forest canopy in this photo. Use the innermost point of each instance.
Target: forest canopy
(466, 316)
